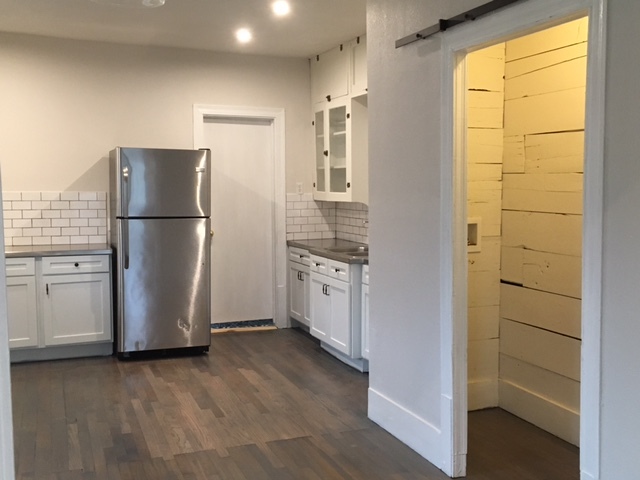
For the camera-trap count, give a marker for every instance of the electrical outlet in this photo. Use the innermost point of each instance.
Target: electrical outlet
(299, 188)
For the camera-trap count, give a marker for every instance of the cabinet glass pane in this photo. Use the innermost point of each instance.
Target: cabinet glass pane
(338, 149)
(320, 156)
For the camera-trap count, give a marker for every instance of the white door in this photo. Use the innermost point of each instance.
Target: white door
(242, 218)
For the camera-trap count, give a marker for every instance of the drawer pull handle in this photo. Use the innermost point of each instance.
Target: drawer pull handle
(76, 264)
(47, 289)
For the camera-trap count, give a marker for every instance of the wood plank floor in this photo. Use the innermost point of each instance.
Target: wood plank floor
(263, 405)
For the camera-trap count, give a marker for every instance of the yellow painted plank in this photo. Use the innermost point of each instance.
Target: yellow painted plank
(553, 273)
(559, 389)
(484, 145)
(550, 39)
(485, 69)
(544, 182)
(563, 76)
(482, 394)
(482, 172)
(554, 152)
(530, 64)
(511, 264)
(483, 289)
(514, 154)
(488, 258)
(538, 410)
(550, 112)
(552, 312)
(490, 214)
(542, 201)
(485, 109)
(544, 349)
(482, 359)
(544, 232)
(483, 322)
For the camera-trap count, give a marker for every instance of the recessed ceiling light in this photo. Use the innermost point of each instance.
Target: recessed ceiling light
(281, 8)
(244, 35)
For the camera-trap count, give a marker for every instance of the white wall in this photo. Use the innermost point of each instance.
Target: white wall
(404, 88)
(404, 234)
(621, 262)
(65, 104)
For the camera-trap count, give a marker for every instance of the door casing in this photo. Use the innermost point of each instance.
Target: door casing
(515, 21)
(277, 117)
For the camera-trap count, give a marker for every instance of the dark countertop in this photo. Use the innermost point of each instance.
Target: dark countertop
(321, 248)
(57, 250)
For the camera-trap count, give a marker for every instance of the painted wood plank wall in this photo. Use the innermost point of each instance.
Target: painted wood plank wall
(485, 145)
(539, 343)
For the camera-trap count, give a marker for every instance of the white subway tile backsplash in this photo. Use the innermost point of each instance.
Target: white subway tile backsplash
(79, 222)
(69, 196)
(60, 222)
(70, 213)
(88, 196)
(55, 218)
(20, 223)
(31, 213)
(20, 205)
(308, 219)
(49, 196)
(60, 240)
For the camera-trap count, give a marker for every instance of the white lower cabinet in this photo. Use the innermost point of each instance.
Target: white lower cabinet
(21, 303)
(66, 301)
(365, 312)
(331, 312)
(299, 286)
(336, 309)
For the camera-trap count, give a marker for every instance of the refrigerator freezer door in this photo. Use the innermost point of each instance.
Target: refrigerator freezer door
(160, 182)
(163, 294)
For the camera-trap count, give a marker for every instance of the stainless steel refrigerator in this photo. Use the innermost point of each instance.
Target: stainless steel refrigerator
(160, 207)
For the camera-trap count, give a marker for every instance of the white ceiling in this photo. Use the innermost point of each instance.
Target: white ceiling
(313, 27)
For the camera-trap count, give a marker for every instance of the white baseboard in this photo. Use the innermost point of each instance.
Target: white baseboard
(541, 411)
(482, 394)
(417, 433)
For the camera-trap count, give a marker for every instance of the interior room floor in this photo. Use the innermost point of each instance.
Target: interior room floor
(260, 405)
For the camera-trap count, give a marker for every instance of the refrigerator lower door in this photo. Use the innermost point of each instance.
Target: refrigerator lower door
(163, 284)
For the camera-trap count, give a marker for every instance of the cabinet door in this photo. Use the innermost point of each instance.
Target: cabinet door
(307, 298)
(320, 306)
(359, 66)
(298, 301)
(331, 312)
(340, 301)
(365, 321)
(338, 152)
(330, 74)
(76, 308)
(22, 314)
(321, 152)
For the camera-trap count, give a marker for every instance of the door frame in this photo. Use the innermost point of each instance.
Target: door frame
(277, 118)
(514, 21)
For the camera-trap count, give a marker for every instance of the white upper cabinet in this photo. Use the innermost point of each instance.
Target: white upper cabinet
(330, 74)
(339, 87)
(358, 77)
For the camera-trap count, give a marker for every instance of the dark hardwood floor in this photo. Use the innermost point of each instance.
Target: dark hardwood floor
(261, 405)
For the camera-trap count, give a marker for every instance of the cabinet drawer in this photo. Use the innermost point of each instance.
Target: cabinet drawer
(339, 270)
(75, 264)
(299, 255)
(18, 267)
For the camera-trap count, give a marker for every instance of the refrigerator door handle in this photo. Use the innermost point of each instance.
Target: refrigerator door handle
(125, 242)
(125, 191)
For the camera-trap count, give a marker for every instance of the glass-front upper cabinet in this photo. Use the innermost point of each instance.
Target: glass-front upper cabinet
(333, 175)
(321, 152)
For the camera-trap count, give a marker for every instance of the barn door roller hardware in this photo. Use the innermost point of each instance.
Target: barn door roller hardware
(443, 25)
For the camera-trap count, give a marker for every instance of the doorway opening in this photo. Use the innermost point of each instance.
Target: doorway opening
(513, 22)
(525, 110)
(248, 212)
